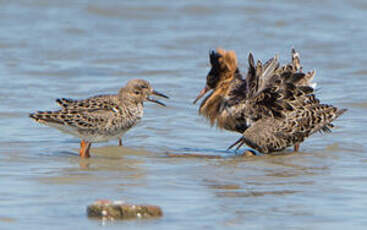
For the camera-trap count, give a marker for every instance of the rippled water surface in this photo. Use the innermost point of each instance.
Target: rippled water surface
(51, 49)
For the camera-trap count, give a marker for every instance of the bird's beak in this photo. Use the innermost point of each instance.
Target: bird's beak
(202, 93)
(157, 94)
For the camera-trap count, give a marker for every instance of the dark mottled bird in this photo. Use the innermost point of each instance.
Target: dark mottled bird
(100, 118)
(274, 107)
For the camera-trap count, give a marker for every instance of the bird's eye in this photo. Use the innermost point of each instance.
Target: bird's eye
(137, 92)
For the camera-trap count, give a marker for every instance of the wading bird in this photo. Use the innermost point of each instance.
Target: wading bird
(100, 118)
(274, 107)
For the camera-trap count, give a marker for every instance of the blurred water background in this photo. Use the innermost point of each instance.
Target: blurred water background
(52, 49)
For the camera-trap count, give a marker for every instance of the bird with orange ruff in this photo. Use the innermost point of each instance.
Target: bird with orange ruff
(274, 107)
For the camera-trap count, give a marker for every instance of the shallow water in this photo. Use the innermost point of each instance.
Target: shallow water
(51, 49)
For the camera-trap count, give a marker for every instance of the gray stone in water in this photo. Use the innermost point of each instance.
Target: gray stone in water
(111, 210)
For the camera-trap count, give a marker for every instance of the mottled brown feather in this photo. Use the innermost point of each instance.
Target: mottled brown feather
(275, 106)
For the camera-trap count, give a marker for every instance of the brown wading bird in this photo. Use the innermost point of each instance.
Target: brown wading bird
(100, 118)
(273, 108)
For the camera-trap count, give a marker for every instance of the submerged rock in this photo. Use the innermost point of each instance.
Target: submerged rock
(106, 209)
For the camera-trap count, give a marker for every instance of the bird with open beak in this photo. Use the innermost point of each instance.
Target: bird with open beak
(273, 108)
(103, 117)
(226, 88)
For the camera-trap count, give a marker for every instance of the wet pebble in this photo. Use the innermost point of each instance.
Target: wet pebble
(111, 210)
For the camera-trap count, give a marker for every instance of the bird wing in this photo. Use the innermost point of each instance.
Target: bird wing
(272, 91)
(267, 90)
(101, 102)
(83, 114)
(81, 119)
(261, 76)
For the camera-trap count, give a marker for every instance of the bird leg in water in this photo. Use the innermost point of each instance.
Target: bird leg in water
(236, 143)
(240, 142)
(84, 149)
(296, 147)
(120, 141)
(240, 145)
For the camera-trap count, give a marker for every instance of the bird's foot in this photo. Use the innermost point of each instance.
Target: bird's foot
(84, 149)
(296, 147)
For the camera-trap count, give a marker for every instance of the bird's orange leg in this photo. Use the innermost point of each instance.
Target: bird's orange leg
(84, 149)
(296, 147)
